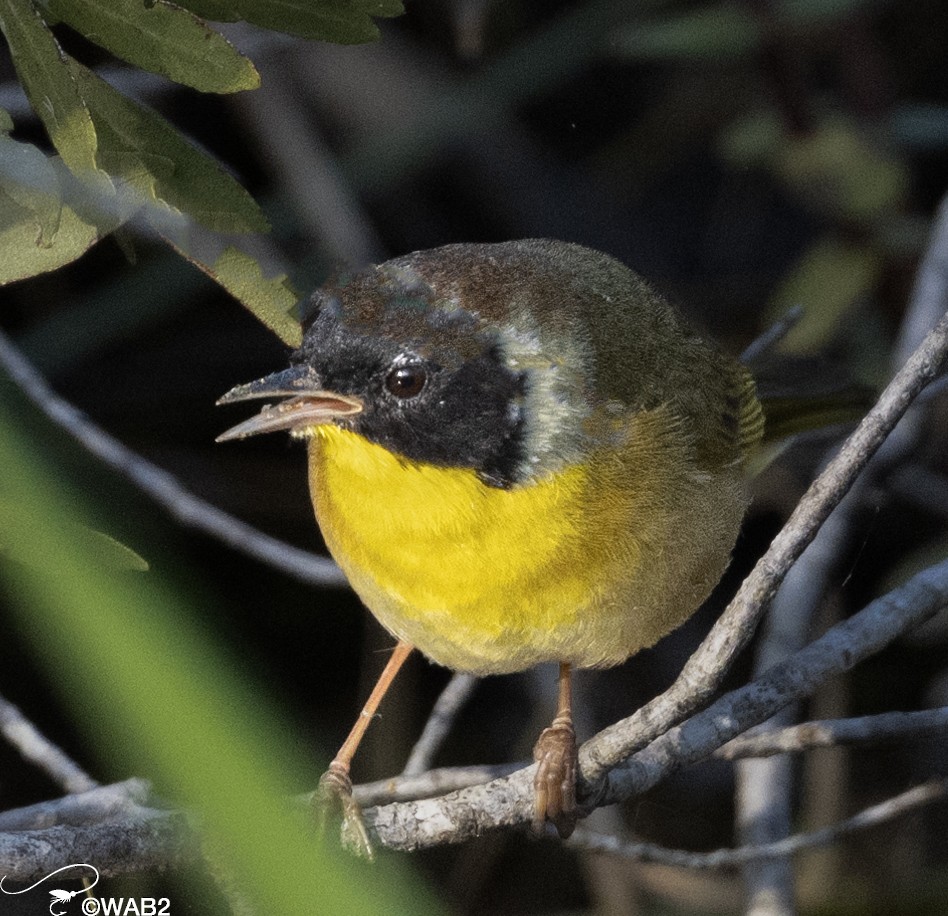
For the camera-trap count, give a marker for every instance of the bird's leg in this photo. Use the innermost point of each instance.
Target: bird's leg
(554, 784)
(334, 795)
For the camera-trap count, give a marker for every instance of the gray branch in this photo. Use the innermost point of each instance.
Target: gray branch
(151, 842)
(506, 802)
(705, 670)
(448, 705)
(729, 858)
(82, 809)
(879, 729)
(39, 750)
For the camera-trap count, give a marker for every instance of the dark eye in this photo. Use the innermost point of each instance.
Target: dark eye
(406, 381)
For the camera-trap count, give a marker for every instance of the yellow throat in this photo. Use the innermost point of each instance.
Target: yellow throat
(492, 580)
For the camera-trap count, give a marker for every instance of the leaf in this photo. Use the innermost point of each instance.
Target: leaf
(724, 31)
(29, 179)
(829, 280)
(23, 256)
(340, 21)
(49, 85)
(45, 217)
(181, 709)
(840, 171)
(104, 550)
(162, 38)
(147, 153)
(729, 30)
(6, 122)
(271, 301)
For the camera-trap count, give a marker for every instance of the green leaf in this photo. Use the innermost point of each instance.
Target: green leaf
(6, 122)
(29, 179)
(830, 279)
(23, 254)
(729, 30)
(271, 301)
(340, 21)
(180, 710)
(46, 219)
(103, 549)
(725, 31)
(162, 38)
(151, 157)
(841, 170)
(49, 85)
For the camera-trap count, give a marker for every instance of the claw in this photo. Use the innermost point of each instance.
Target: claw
(334, 804)
(554, 784)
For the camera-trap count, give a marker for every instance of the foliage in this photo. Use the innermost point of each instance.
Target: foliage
(117, 159)
(177, 705)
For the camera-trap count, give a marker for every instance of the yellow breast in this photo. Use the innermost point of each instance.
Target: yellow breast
(586, 565)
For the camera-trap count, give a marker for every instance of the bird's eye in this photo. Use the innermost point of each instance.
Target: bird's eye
(406, 381)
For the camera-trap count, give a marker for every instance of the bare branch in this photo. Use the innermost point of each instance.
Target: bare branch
(729, 858)
(836, 651)
(705, 670)
(507, 802)
(427, 785)
(162, 486)
(883, 728)
(39, 750)
(765, 786)
(761, 741)
(439, 723)
(153, 841)
(103, 803)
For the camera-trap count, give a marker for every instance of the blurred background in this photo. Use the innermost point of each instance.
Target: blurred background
(745, 157)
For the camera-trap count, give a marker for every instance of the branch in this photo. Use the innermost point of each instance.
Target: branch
(728, 858)
(162, 486)
(439, 723)
(764, 787)
(153, 841)
(761, 741)
(705, 670)
(879, 729)
(83, 809)
(39, 750)
(426, 785)
(507, 802)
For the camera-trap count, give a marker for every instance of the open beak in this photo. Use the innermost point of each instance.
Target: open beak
(307, 404)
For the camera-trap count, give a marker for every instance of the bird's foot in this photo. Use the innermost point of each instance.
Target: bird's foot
(554, 784)
(335, 805)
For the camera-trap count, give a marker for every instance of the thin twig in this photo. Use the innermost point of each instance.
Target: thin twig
(39, 750)
(762, 741)
(879, 729)
(894, 807)
(162, 486)
(439, 723)
(836, 651)
(765, 342)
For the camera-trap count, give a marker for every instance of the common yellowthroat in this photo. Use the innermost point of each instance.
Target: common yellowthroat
(518, 453)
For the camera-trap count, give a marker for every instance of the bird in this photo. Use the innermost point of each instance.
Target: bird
(518, 453)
